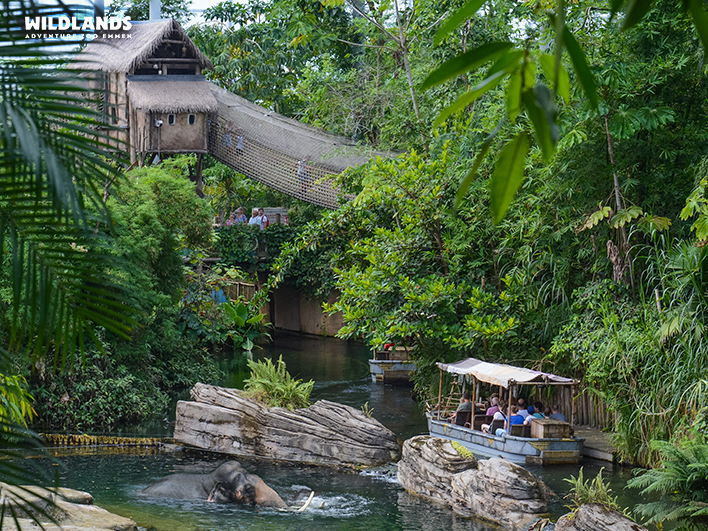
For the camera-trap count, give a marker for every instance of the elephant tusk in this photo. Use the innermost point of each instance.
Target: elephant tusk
(307, 503)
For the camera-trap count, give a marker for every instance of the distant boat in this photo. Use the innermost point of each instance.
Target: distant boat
(544, 441)
(391, 365)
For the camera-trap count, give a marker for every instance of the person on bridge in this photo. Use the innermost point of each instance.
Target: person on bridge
(264, 219)
(240, 218)
(255, 218)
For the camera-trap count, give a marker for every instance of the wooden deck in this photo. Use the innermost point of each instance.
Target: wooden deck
(597, 443)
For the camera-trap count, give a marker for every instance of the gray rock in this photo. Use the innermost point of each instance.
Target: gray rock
(595, 517)
(495, 489)
(73, 510)
(326, 433)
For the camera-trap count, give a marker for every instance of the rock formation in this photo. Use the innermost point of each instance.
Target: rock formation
(492, 489)
(326, 433)
(596, 517)
(72, 509)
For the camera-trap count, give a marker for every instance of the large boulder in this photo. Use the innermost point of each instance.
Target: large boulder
(495, 489)
(326, 433)
(596, 517)
(73, 510)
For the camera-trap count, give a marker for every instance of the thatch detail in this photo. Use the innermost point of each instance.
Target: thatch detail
(123, 54)
(168, 96)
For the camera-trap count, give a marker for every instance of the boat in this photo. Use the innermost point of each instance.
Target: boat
(545, 441)
(391, 365)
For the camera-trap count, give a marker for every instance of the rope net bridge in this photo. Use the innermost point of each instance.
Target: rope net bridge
(293, 158)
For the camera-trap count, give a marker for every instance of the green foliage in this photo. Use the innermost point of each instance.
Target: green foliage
(368, 411)
(15, 400)
(222, 326)
(272, 384)
(140, 9)
(681, 481)
(590, 491)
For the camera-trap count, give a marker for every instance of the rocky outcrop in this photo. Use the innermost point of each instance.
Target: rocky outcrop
(326, 433)
(492, 489)
(596, 517)
(73, 510)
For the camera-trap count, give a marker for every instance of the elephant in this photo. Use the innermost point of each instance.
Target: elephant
(230, 483)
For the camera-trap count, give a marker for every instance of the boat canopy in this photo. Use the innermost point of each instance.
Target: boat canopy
(501, 374)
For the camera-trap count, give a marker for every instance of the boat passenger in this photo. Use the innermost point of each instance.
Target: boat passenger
(497, 416)
(533, 414)
(522, 408)
(547, 413)
(465, 405)
(515, 418)
(495, 406)
(556, 414)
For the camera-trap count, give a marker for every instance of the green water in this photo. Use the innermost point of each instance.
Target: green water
(344, 501)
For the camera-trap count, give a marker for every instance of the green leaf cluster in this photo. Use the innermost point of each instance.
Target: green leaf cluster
(272, 384)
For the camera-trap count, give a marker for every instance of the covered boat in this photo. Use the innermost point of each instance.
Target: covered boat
(545, 441)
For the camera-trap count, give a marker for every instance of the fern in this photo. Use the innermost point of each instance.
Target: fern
(682, 484)
(271, 384)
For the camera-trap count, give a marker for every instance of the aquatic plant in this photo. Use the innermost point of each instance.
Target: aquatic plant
(590, 491)
(271, 384)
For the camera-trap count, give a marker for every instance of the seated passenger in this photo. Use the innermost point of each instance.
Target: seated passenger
(465, 405)
(495, 406)
(515, 418)
(533, 414)
(556, 414)
(522, 408)
(547, 413)
(497, 416)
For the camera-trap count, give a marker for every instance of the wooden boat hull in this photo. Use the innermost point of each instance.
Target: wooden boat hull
(521, 450)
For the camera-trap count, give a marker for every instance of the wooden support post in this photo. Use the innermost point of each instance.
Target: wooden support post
(198, 172)
(440, 394)
(572, 405)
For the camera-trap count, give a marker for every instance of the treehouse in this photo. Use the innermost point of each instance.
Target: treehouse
(152, 89)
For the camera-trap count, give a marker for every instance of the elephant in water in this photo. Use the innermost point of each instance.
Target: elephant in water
(230, 483)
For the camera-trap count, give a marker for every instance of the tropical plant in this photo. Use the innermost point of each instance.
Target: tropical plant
(591, 491)
(681, 482)
(52, 166)
(271, 384)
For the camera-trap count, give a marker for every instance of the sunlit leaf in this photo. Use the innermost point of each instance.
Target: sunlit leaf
(508, 175)
(457, 18)
(542, 112)
(468, 97)
(465, 62)
(580, 64)
(548, 64)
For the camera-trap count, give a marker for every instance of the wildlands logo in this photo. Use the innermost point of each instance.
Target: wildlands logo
(62, 26)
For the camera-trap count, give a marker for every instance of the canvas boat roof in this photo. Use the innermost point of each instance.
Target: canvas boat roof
(502, 374)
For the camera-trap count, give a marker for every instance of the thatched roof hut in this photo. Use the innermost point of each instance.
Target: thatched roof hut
(126, 51)
(153, 90)
(167, 96)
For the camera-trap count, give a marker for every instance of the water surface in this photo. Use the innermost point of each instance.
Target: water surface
(345, 501)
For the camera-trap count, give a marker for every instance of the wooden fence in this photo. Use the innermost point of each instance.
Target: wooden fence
(589, 410)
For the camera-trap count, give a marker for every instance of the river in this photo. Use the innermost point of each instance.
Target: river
(344, 501)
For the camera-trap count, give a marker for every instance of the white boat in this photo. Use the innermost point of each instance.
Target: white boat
(547, 441)
(391, 366)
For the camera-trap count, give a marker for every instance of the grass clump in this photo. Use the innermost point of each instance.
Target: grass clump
(271, 384)
(590, 491)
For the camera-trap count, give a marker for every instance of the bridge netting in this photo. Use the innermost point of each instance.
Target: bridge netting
(282, 153)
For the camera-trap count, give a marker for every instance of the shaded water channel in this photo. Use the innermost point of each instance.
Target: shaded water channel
(369, 501)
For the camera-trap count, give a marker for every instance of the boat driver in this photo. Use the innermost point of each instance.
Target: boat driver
(465, 405)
